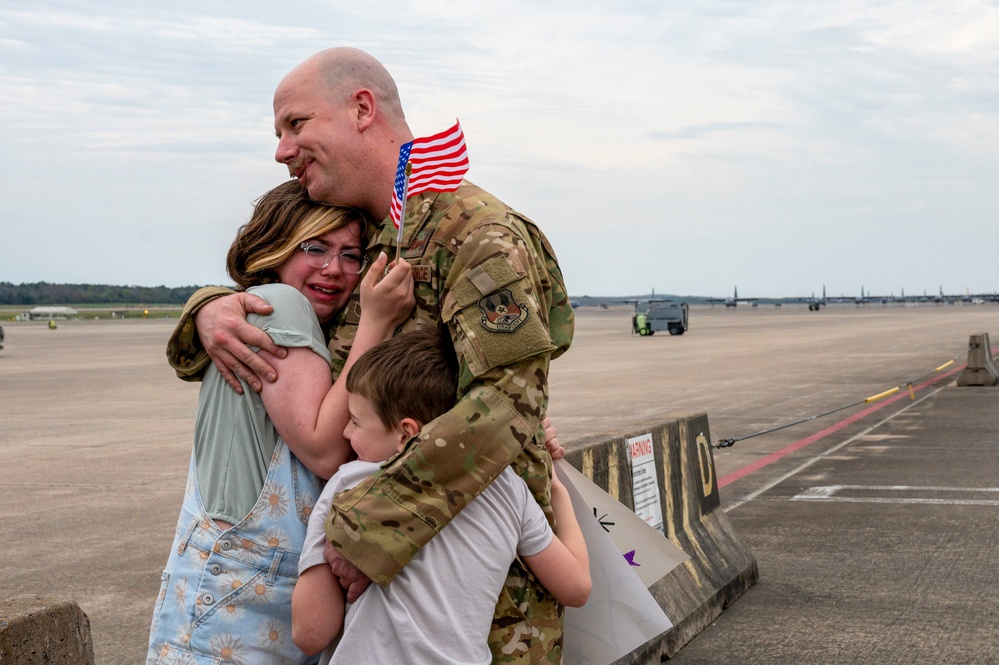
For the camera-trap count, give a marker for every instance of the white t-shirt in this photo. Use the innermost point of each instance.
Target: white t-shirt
(439, 609)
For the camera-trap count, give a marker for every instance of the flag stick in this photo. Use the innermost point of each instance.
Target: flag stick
(402, 213)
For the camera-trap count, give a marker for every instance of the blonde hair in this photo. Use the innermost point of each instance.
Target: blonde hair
(282, 219)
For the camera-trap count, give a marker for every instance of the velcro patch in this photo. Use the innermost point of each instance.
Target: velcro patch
(501, 313)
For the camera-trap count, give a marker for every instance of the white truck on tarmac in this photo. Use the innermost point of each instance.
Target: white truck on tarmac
(658, 315)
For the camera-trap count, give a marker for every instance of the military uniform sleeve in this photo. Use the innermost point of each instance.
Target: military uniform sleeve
(184, 351)
(498, 321)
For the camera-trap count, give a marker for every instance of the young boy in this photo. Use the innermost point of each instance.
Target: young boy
(439, 608)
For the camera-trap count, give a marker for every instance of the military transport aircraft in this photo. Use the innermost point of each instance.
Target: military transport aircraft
(733, 300)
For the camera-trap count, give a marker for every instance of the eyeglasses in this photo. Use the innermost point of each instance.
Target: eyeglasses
(319, 256)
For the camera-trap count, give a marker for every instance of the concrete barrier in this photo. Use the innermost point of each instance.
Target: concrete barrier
(36, 630)
(721, 567)
(981, 369)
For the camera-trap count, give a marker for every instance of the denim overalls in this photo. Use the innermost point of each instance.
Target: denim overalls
(225, 597)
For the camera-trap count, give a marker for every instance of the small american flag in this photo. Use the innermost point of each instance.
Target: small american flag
(438, 163)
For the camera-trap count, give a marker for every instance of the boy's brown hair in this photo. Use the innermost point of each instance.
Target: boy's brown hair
(413, 375)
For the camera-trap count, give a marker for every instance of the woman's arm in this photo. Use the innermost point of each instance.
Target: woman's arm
(308, 410)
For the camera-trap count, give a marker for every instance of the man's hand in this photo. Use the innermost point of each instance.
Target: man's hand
(555, 448)
(226, 335)
(351, 579)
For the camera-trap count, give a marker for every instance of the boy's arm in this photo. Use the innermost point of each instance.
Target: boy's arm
(564, 566)
(317, 609)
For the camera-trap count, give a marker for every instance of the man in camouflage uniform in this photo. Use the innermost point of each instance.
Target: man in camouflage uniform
(483, 272)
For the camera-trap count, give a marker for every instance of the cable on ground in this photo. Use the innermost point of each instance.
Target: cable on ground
(727, 443)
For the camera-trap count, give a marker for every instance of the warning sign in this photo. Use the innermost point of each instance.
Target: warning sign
(645, 481)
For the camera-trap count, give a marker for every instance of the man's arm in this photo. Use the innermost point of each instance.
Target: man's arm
(184, 351)
(382, 523)
(494, 306)
(354, 581)
(213, 328)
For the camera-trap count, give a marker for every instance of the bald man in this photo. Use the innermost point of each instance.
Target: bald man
(484, 273)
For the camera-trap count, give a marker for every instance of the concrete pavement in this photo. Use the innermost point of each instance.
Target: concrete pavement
(875, 548)
(95, 438)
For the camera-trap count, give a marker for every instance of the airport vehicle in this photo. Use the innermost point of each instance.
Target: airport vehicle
(1, 338)
(658, 315)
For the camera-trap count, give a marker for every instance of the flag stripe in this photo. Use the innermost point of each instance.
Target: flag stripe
(438, 163)
(448, 171)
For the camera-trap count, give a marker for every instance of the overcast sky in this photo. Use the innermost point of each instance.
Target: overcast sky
(774, 146)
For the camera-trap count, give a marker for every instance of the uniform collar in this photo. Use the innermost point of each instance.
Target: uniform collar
(418, 208)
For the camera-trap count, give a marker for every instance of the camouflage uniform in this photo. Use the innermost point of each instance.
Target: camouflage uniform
(489, 277)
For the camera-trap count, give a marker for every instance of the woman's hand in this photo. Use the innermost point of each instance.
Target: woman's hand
(387, 299)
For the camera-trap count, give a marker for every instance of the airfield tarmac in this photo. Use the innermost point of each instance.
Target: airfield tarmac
(96, 434)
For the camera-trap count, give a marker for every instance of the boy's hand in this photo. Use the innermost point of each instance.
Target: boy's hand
(351, 578)
(555, 448)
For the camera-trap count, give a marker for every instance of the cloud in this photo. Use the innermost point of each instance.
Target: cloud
(686, 147)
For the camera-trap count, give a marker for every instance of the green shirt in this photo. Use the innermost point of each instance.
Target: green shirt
(233, 437)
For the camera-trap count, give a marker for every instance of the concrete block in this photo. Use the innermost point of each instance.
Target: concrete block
(721, 567)
(981, 369)
(36, 630)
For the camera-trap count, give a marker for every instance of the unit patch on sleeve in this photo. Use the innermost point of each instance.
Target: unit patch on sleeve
(500, 313)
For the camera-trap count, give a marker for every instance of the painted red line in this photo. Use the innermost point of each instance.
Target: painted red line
(787, 450)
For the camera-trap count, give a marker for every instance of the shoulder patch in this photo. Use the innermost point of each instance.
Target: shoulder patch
(501, 313)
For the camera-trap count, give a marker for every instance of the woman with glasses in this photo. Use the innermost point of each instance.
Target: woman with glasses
(259, 458)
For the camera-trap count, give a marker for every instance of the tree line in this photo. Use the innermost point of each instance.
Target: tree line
(43, 293)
